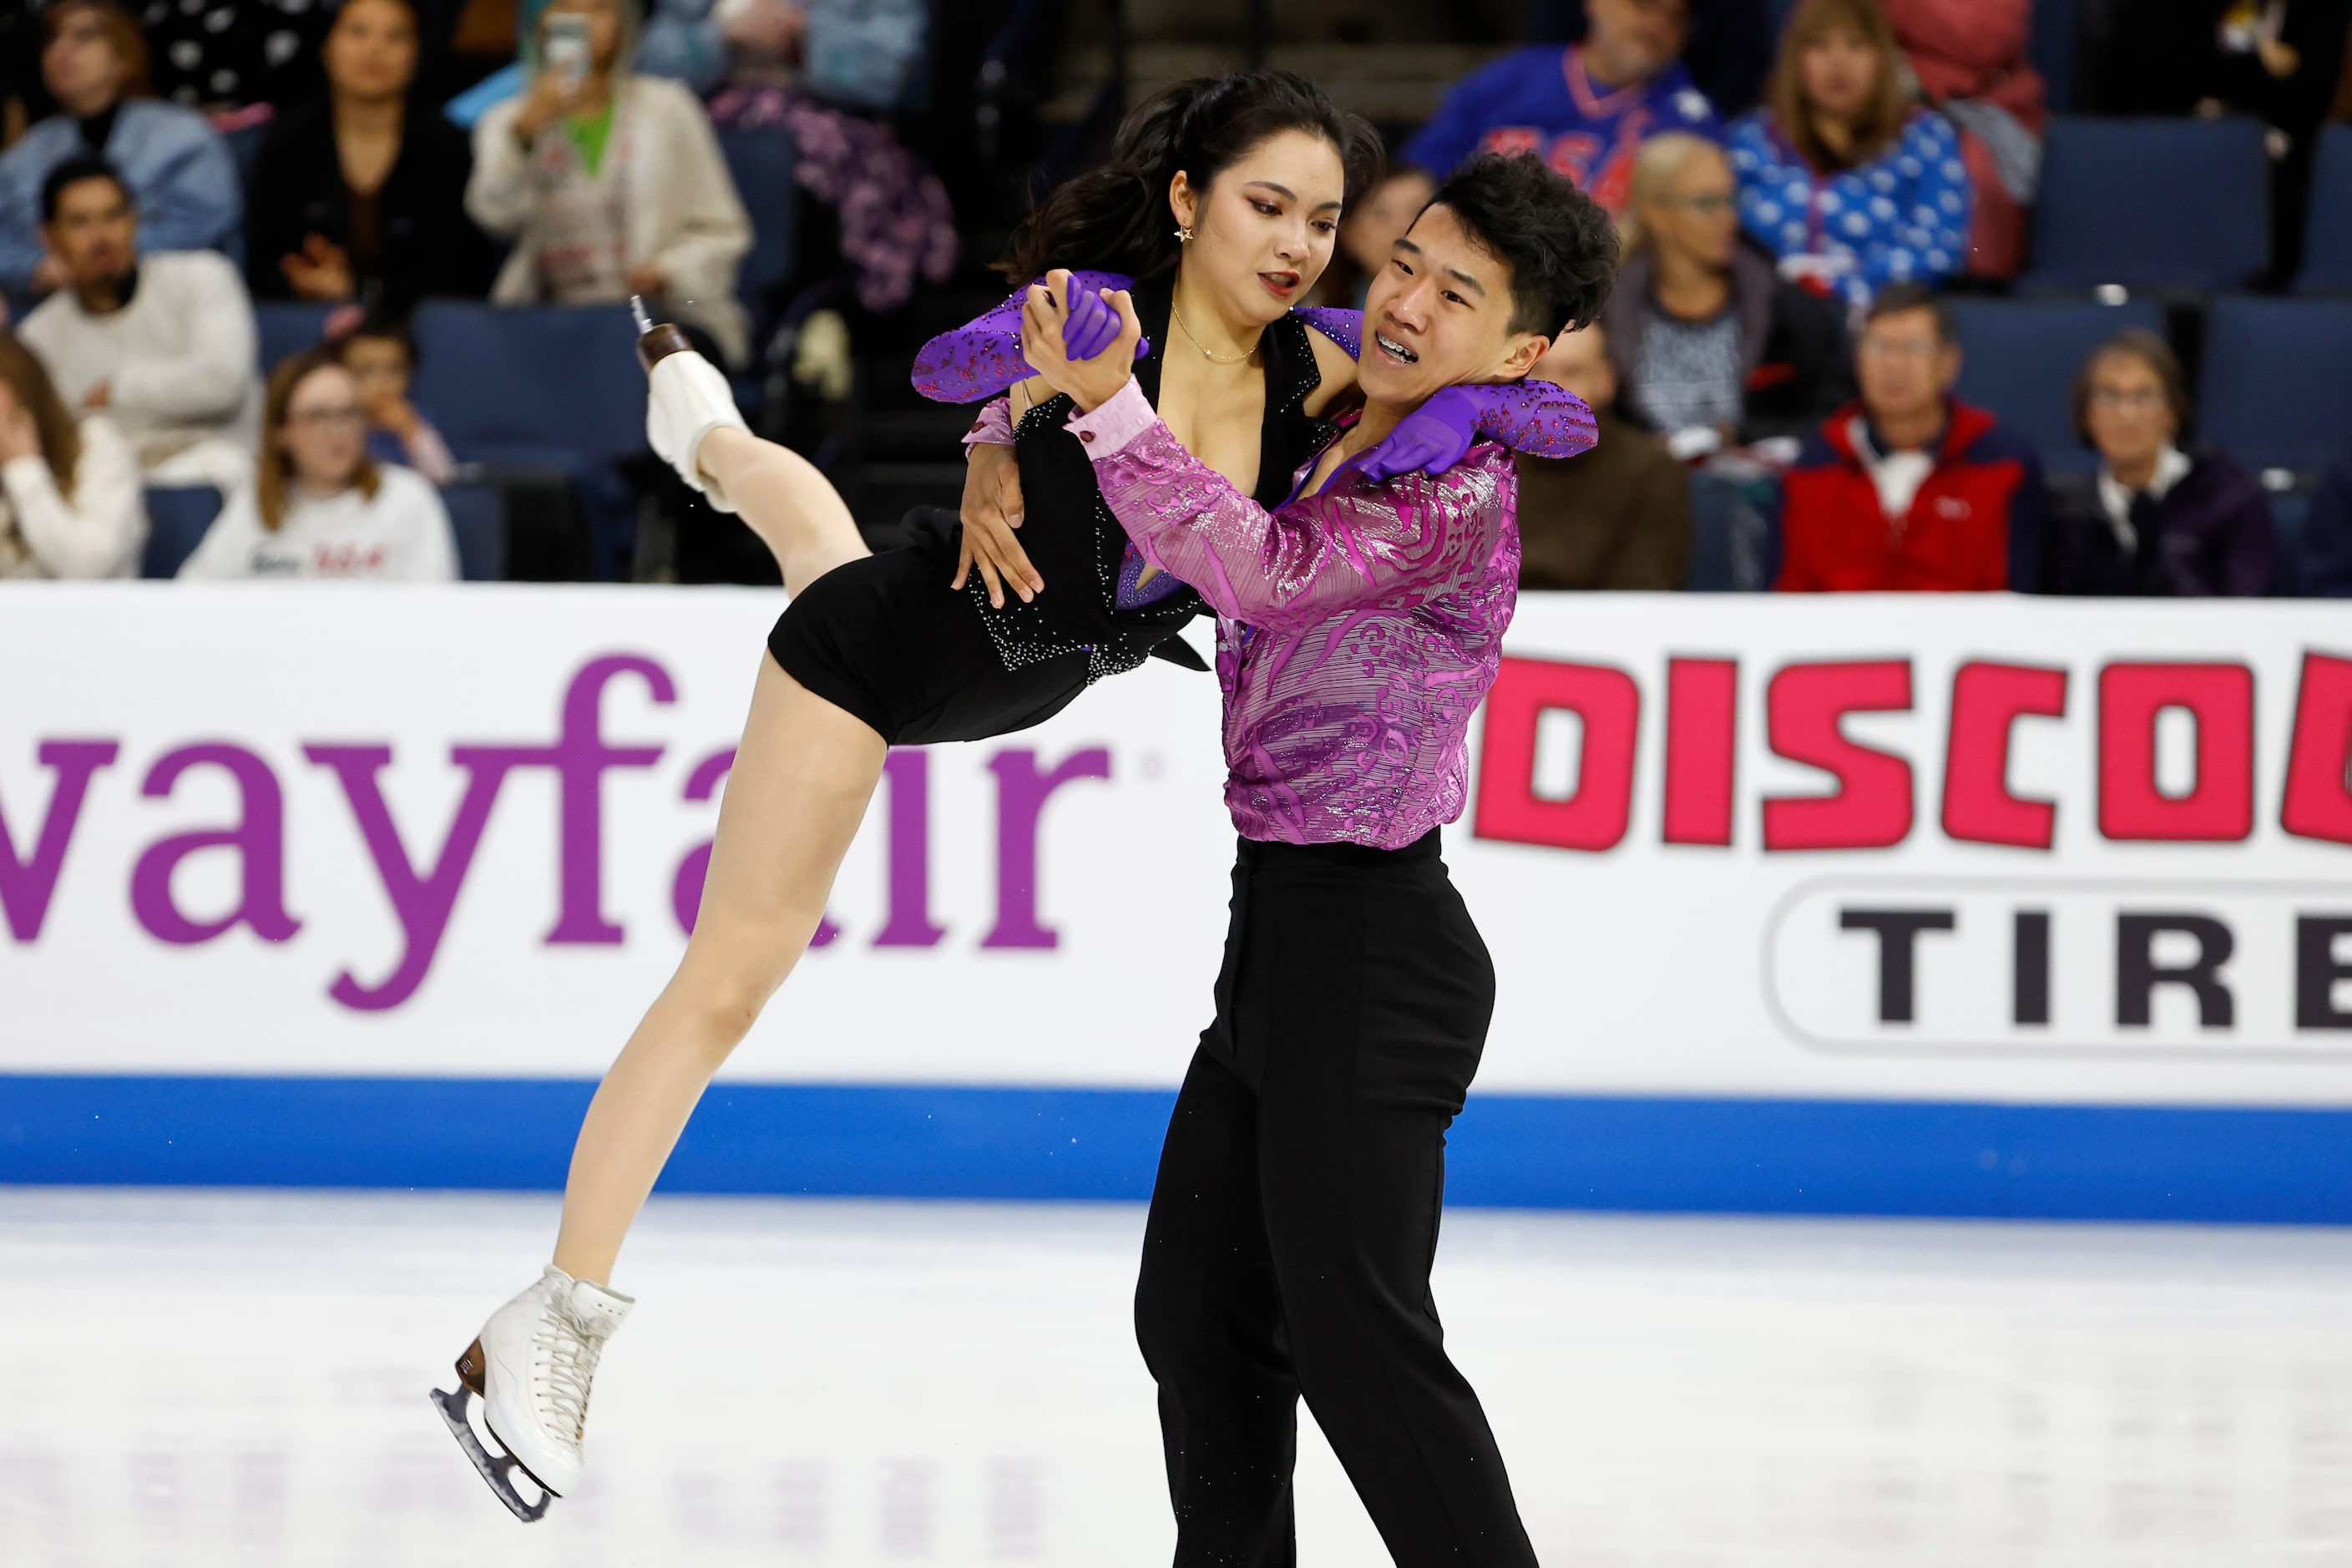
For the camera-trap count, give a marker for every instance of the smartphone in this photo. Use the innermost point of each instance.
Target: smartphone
(567, 47)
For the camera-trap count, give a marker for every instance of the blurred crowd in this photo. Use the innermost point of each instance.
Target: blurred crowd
(170, 169)
(1805, 189)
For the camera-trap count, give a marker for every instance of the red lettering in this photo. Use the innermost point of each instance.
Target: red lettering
(1872, 808)
(2318, 803)
(2220, 698)
(1702, 749)
(1595, 817)
(1987, 700)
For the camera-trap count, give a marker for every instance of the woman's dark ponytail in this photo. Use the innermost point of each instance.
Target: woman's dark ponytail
(1115, 218)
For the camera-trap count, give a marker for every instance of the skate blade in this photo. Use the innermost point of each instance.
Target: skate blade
(497, 1469)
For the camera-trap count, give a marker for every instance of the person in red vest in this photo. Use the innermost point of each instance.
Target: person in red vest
(1908, 489)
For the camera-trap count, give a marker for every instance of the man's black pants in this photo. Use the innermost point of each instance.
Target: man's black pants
(1295, 1218)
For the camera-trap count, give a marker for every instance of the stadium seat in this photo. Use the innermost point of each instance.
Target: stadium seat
(547, 391)
(2328, 234)
(177, 517)
(2019, 358)
(2151, 204)
(762, 161)
(554, 387)
(283, 328)
(2051, 49)
(2290, 512)
(478, 516)
(2276, 390)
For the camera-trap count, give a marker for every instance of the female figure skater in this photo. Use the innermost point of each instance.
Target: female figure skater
(1296, 1213)
(1252, 173)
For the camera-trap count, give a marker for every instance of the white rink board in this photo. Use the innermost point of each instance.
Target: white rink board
(1643, 968)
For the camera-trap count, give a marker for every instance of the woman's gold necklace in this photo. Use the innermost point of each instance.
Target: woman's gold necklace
(1242, 359)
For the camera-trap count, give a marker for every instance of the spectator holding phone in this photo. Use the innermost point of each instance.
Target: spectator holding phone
(609, 183)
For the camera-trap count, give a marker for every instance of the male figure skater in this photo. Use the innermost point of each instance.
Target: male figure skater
(1296, 1215)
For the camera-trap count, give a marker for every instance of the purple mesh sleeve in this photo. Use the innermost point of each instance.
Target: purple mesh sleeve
(1538, 417)
(982, 357)
(1345, 328)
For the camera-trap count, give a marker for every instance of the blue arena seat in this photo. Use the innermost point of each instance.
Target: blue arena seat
(477, 518)
(2051, 49)
(552, 387)
(284, 327)
(2151, 204)
(762, 161)
(2276, 389)
(2290, 512)
(177, 517)
(2327, 233)
(2019, 358)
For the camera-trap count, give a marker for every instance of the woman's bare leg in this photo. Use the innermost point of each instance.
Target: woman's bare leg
(793, 508)
(799, 788)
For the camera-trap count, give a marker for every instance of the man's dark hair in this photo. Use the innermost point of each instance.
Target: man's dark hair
(1896, 299)
(1561, 247)
(73, 172)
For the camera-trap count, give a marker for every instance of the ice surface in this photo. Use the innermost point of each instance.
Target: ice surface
(200, 1379)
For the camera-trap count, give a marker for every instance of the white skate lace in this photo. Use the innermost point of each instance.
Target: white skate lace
(571, 1367)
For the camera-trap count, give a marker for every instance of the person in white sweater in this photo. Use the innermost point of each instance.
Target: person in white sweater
(610, 184)
(318, 506)
(163, 344)
(70, 504)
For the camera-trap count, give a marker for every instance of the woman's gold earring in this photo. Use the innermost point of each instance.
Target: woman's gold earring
(1185, 236)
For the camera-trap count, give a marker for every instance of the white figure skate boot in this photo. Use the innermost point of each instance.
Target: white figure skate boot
(688, 399)
(531, 1368)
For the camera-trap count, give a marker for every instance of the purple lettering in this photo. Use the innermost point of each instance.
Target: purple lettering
(909, 772)
(580, 757)
(1021, 796)
(420, 903)
(258, 839)
(685, 891)
(26, 884)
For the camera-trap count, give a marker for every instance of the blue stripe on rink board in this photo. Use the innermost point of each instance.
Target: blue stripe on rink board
(1753, 1156)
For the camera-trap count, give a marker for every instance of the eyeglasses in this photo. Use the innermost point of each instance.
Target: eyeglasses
(1899, 348)
(2134, 399)
(349, 414)
(1713, 204)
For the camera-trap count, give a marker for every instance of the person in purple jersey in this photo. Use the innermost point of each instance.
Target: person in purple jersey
(1586, 109)
(1295, 1218)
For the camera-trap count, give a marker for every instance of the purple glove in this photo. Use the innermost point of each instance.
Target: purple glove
(1433, 438)
(1093, 325)
(1537, 417)
(982, 357)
